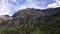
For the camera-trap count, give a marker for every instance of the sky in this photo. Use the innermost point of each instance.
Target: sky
(9, 7)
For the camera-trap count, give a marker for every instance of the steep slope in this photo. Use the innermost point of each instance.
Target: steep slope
(30, 20)
(45, 24)
(29, 12)
(51, 10)
(34, 21)
(22, 16)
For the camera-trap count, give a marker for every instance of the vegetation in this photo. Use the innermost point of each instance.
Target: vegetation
(32, 25)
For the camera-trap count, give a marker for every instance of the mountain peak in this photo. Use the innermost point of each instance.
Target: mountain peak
(29, 12)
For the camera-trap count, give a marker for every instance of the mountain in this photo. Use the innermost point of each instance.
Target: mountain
(29, 12)
(4, 19)
(22, 16)
(33, 21)
(51, 10)
(36, 12)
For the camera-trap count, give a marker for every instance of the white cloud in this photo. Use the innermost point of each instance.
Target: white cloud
(4, 8)
(32, 4)
(13, 1)
(54, 5)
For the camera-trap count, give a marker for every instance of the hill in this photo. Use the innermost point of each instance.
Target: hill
(34, 21)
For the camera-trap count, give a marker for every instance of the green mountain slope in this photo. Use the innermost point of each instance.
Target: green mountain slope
(34, 21)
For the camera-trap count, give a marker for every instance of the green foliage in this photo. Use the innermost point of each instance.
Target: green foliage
(32, 25)
(9, 32)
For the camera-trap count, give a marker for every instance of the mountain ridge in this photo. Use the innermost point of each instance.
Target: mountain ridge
(30, 19)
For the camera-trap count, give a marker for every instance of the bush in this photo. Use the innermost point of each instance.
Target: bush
(10, 32)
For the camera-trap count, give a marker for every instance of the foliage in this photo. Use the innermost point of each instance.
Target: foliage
(32, 25)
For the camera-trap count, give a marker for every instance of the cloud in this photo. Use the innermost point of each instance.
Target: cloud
(4, 8)
(40, 4)
(12, 6)
(54, 5)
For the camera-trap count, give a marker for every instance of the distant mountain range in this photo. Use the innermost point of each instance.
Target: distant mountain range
(31, 19)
